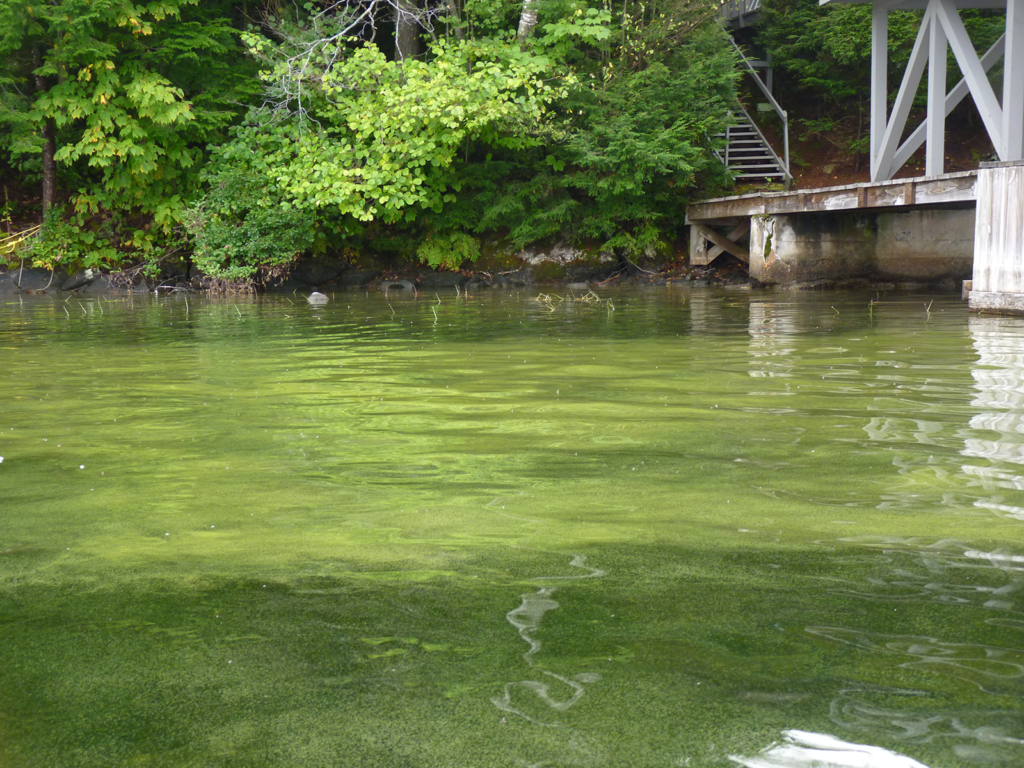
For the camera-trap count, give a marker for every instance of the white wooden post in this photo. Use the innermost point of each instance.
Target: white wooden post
(1013, 83)
(941, 26)
(974, 73)
(882, 170)
(935, 147)
(954, 97)
(998, 284)
(879, 76)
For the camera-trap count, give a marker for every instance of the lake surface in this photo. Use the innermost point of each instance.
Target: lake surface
(678, 529)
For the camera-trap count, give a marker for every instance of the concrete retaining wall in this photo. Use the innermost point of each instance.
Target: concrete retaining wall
(929, 245)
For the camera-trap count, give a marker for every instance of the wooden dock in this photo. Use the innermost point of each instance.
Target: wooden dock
(919, 230)
(966, 226)
(924, 190)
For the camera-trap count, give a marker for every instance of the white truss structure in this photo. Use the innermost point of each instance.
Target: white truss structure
(941, 29)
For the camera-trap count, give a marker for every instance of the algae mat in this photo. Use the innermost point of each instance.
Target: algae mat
(670, 528)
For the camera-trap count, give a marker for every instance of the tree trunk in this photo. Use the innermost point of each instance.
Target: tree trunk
(407, 28)
(527, 20)
(49, 140)
(453, 13)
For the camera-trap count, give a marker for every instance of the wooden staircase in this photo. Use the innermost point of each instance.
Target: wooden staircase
(749, 155)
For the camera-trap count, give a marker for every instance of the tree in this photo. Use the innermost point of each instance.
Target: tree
(110, 107)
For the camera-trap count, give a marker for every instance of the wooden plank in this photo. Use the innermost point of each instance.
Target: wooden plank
(740, 253)
(886, 196)
(724, 208)
(944, 191)
(935, 133)
(739, 231)
(948, 188)
(698, 247)
(1013, 93)
(999, 232)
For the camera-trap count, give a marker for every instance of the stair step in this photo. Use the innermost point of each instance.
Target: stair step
(747, 154)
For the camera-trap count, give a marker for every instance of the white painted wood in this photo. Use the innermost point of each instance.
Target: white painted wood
(1013, 83)
(918, 5)
(999, 233)
(941, 25)
(880, 171)
(735, 234)
(974, 73)
(954, 97)
(935, 143)
(959, 187)
(698, 247)
(996, 303)
(738, 251)
(944, 193)
(879, 76)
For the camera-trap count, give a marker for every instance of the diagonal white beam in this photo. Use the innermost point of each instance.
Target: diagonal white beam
(935, 143)
(1013, 83)
(954, 97)
(904, 100)
(974, 73)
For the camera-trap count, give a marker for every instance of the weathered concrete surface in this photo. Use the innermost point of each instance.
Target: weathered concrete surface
(996, 303)
(920, 245)
(998, 281)
(925, 190)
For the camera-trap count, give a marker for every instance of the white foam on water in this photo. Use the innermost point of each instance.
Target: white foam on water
(802, 749)
(995, 557)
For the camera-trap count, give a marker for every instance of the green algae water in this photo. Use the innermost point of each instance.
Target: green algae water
(676, 529)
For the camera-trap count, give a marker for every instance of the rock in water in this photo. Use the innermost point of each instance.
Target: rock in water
(316, 298)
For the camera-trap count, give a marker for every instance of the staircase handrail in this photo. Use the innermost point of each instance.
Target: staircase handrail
(775, 105)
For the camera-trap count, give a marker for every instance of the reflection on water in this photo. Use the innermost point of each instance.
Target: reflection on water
(800, 749)
(527, 619)
(772, 339)
(258, 533)
(999, 424)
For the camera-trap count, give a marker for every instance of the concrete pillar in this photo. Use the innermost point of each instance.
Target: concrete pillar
(916, 245)
(998, 280)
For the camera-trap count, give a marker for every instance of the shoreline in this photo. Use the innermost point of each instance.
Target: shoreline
(732, 276)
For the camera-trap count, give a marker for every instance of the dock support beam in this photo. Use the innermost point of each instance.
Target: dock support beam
(935, 143)
(942, 29)
(998, 284)
(1013, 82)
